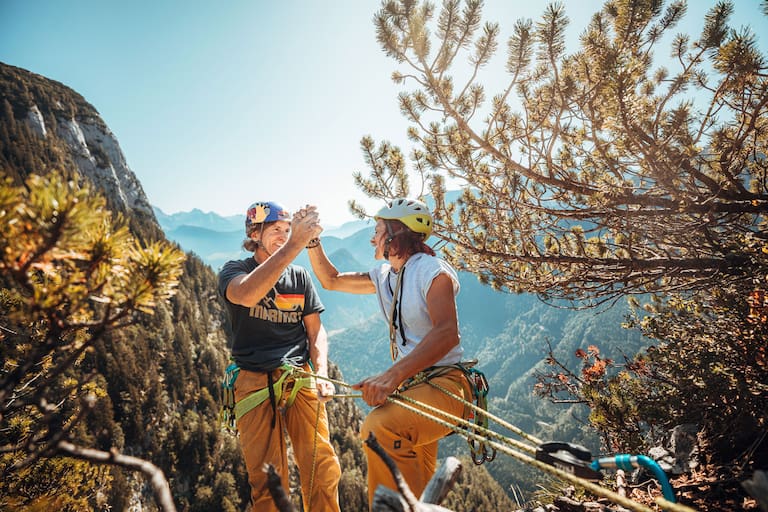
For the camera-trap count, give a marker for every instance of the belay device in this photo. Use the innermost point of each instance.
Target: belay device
(577, 460)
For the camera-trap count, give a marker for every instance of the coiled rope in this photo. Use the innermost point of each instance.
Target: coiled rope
(503, 443)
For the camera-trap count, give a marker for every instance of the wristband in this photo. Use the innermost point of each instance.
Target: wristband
(313, 243)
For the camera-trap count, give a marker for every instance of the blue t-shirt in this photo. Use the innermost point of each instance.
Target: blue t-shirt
(272, 332)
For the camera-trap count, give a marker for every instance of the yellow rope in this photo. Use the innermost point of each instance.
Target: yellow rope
(395, 398)
(493, 417)
(314, 454)
(461, 421)
(564, 475)
(425, 409)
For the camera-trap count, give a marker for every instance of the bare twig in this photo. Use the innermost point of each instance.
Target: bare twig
(276, 489)
(402, 486)
(156, 476)
(621, 482)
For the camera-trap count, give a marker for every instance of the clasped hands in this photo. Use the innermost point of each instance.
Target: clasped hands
(305, 224)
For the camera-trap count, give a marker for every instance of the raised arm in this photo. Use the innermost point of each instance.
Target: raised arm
(248, 289)
(331, 279)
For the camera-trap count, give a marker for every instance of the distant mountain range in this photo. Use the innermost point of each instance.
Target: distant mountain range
(200, 219)
(217, 239)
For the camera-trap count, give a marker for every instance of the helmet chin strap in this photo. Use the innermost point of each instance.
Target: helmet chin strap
(258, 242)
(389, 240)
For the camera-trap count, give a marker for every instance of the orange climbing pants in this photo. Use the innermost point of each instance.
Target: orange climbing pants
(262, 444)
(409, 438)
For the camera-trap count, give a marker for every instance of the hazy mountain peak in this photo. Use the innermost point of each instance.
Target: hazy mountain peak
(200, 219)
(60, 118)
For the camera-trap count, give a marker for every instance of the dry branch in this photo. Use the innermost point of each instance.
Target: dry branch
(387, 500)
(276, 489)
(156, 476)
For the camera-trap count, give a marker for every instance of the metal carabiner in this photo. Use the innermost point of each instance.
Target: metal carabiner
(477, 460)
(480, 382)
(488, 458)
(479, 452)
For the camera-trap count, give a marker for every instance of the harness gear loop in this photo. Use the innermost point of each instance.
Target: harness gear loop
(227, 413)
(479, 385)
(230, 414)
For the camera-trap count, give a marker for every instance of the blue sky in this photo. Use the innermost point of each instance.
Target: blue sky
(219, 104)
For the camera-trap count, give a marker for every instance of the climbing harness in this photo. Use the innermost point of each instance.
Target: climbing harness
(232, 411)
(479, 450)
(567, 461)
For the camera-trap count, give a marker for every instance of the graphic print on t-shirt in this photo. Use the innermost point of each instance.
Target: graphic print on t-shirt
(279, 308)
(289, 302)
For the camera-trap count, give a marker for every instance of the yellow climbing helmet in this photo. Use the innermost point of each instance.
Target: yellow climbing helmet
(411, 212)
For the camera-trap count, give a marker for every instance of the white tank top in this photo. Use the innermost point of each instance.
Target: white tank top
(418, 273)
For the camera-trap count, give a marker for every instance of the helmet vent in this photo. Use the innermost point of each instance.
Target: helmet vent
(413, 213)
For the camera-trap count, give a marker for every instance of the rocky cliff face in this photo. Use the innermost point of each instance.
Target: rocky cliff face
(98, 156)
(74, 130)
(161, 374)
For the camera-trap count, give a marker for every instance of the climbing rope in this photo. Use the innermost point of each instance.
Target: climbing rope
(314, 453)
(507, 445)
(487, 414)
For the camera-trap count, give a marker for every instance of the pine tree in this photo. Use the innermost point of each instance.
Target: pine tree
(591, 174)
(601, 173)
(70, 275)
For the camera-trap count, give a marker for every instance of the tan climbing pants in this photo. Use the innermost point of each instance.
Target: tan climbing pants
(262, 444)
(409, 438)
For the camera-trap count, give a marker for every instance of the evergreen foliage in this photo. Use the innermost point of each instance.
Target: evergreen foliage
(709, 368)
(70, 275)
(599, 173)
(593, 174)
